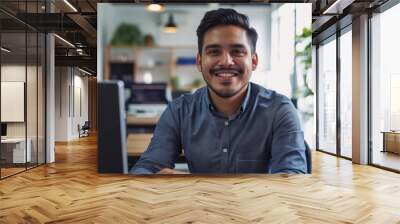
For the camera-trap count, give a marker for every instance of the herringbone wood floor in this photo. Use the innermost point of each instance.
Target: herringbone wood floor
(71, 191)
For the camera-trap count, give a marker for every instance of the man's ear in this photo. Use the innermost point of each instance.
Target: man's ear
(198, 62)
(254, 61)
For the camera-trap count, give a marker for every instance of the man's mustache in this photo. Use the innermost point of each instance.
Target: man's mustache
(217, 70)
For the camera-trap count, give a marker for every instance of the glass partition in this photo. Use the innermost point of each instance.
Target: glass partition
(327, 96)
(14, 145)
(22, 90)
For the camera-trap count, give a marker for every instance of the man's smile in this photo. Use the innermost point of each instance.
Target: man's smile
(226, 73)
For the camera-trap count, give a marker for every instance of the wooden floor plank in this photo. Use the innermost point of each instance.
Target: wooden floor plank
(71, 191)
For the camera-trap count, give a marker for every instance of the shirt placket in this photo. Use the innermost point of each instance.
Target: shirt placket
(225, 147)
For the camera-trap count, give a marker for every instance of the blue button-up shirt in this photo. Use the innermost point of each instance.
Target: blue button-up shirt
(263, 136)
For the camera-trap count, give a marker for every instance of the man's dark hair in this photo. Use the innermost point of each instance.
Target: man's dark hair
(223, 17)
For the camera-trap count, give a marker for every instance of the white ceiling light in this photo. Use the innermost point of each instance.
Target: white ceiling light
(65, 41)
(213, 5)
(5, 50)
(155, 7)
(70, 5)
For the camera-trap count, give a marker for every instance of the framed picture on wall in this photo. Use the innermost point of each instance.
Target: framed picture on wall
(12, 101)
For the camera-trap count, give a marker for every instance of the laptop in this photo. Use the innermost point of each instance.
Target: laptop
(147, 100)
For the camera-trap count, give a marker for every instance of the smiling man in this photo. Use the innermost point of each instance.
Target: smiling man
(231, 125)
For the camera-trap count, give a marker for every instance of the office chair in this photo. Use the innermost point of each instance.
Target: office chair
(308, 158)
(84, 129)
(86, 126)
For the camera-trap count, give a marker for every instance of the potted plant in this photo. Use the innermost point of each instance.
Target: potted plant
(127, 34)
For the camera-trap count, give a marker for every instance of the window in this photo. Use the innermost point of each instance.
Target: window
(385, 89)
(346, 93)
(327, 96)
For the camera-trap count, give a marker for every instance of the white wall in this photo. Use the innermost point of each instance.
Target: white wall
(61, 103)
(80, 102)
(71, 93)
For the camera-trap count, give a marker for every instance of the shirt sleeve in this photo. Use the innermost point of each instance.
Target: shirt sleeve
(288, 148)
(164, 147)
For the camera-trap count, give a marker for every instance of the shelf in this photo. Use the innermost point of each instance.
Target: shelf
(152, 67)
(161, 61)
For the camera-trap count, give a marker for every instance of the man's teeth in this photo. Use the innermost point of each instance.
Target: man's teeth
(226, 74)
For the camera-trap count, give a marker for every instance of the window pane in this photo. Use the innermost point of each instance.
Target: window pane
(327, 97)
(346, 94)
(385, 85)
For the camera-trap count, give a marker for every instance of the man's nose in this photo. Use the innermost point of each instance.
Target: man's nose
(226, 59)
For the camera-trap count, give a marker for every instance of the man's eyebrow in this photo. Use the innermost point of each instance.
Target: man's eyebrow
(213, 46)
(237, 46)
(219, 46)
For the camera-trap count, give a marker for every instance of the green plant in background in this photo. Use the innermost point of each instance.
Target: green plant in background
(305, 93)
(127, 34)
(196, 83)
(174, 81)
(305, 59)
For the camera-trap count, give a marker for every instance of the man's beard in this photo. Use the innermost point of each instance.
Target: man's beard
(228, 93)
(222, 93)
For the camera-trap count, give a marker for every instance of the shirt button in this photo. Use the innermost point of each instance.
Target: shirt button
(225, 150)
(226, 123)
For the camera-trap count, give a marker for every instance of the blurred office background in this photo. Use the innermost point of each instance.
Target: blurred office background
(153, 51)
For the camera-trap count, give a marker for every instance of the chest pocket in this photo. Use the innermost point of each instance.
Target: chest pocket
(252, 163)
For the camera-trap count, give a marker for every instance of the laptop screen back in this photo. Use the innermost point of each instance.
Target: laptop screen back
(111, 137)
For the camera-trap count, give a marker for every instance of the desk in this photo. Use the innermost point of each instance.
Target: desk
(137, 143)
(15, 148)
(135, 120)
(391, 141)
(138, 124)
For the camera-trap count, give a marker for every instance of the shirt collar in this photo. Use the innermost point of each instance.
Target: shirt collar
(242, 107)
